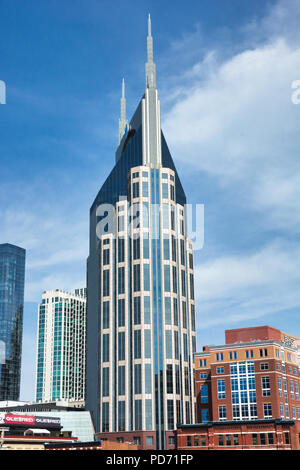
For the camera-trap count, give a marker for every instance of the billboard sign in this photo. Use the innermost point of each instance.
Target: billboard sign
(28, 420)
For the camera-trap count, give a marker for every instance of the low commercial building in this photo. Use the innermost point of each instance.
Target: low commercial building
(97, 445)
(29, 432)
(76, 420)
(273, 434)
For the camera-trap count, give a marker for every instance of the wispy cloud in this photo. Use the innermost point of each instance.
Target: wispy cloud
(234, 119)
(241, 287)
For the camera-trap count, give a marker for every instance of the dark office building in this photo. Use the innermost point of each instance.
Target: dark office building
(141, 309)
(12, 274)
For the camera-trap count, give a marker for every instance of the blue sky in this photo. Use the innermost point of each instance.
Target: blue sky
(225, 69)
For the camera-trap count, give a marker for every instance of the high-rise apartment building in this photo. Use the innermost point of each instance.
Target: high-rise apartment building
(60, 370)
(141, 309)
(12, 276)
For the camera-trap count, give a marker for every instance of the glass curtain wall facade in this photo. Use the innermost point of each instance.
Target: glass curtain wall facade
(12, 277)
(141, 308)
(60, 370)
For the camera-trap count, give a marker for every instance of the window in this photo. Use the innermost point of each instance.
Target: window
(121, 416)
(204, 393)
(169, 373)
(221, 440)
(121, 224)
(121, 250)
(265, 385)
(221, 389)
(263, 352)
(105, 257)
(121, 346)
(220, 370)
(279, 386)
(267, 410)
(137, 379)
(168, 338)
(183, 283)
(147, 309)
(203, 441)
(105, 348)
(292, 389)
(196, 441)
(121, 280)
(137, 310)
(167, 284)
(121, 312)
(222, 413)
(105, 382)
(137, 417)
(203, 375)
(254, 439)
(264, 366)
(149, 440)
(137, 344)
(170, 414)
(235, 439)
(165, 191)
(270, 438)
(145, 189)
(121, 380)
(184, 318)
(262, 439)
(174, 270)
(168, 313)
(188, 441)
(204, 415)
(136, 278)
(166, 248)
(228, 439)
(172, 189)
(106, 282)
(286, 438)
(136, 248)
(105, 417)
(182, 252)
(106, 314)
(175, 311)
(135, 189)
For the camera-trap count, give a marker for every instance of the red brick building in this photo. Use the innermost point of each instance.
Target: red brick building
(250, 381)
(239, 435)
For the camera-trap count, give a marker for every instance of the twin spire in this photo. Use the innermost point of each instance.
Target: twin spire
(150, 81)
(122, 121)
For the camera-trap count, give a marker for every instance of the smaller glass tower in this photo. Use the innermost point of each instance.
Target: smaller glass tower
(60, 373)
(12, 276)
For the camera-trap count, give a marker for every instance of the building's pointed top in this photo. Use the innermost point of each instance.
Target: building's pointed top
(149, 25)
(122, 120)
(150, 66)
(123, 88)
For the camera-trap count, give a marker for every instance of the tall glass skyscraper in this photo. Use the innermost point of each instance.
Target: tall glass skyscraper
(141, 310)
(12, 276)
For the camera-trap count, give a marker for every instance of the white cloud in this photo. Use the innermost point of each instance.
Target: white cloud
(236, 121)
(241, 287)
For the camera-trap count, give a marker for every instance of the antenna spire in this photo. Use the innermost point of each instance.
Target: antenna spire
(150, 66)
(122, 120)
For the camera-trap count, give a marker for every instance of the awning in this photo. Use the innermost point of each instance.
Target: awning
(37, 431)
